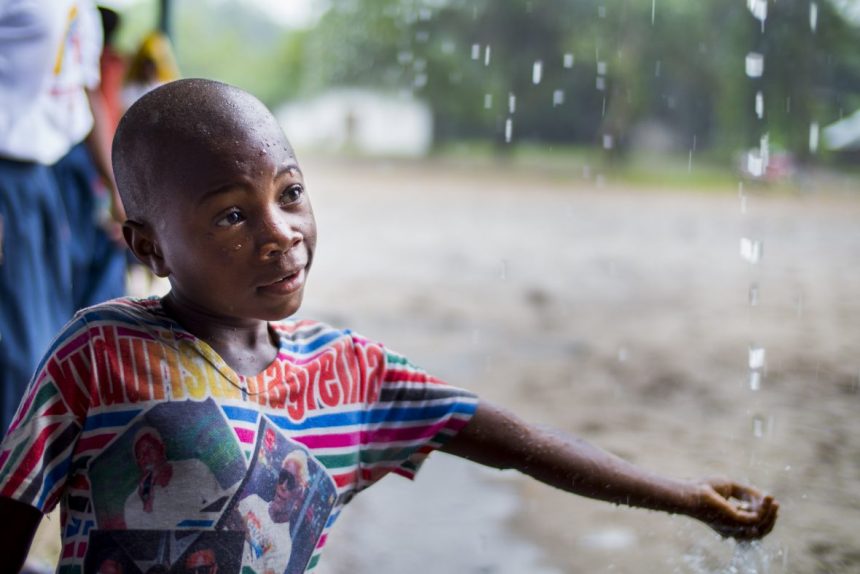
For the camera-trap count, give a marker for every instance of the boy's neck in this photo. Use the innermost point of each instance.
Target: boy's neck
(246, 345)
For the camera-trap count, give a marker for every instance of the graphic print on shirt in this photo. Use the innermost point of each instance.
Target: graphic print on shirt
(175, 467)
(164, 552)
(282, 506)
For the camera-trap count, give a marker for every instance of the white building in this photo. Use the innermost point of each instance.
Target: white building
(359, 120)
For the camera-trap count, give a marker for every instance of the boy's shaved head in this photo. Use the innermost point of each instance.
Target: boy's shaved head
(174, 131)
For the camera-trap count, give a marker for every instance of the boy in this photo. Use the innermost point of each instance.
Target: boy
(216, 203)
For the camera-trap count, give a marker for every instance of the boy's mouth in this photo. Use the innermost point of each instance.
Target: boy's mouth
(287, 284)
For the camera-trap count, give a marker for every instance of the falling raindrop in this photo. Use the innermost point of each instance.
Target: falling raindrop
(751, 250)
(607, 141)
(813, 16)
(753, 295)
(813, 137)
(601, 68)
(509, 130)
(476, 51)
(755, 380)
(653, 10)
(600, 83)
(537, 72)
(756, 357)
(487, 55)
(759, 104)
(488, 101)
(758, 159)
(754, 65)
(557, 98)
(512, 103)
(568, 61)
(758, 424)
(758, 9)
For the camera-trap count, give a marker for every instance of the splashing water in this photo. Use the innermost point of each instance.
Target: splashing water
(754, 65)
(747, 558)
(537, 72)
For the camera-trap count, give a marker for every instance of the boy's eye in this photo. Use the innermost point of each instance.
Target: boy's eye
(232, 218)
(292, 194)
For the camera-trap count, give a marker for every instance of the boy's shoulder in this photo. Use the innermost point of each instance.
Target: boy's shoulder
(126, 310)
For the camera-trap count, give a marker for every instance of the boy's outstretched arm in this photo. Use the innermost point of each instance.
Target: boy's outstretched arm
(17, 529)
(497, 438)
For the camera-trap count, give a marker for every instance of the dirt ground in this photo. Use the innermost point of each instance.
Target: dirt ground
(628, 317)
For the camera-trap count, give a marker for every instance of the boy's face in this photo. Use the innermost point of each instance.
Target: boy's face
(237, 235)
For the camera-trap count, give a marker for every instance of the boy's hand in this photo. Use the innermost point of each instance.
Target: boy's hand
(734, 510)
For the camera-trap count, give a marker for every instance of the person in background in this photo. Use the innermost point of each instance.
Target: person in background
(84, 174)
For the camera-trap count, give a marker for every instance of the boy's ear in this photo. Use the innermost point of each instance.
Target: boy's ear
(143, 243)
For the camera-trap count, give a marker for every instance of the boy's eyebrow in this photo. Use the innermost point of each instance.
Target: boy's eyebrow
(289, 169)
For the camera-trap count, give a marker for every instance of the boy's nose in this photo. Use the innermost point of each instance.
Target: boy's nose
(279, 235)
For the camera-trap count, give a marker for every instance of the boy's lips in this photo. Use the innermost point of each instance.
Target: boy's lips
(286, 284)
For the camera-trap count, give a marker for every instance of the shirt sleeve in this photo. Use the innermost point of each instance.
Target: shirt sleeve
(36, 453)
(412, 415)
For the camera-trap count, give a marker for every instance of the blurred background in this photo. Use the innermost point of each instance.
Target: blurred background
(635, 221)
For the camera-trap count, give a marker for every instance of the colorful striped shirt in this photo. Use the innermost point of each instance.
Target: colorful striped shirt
(162, 456)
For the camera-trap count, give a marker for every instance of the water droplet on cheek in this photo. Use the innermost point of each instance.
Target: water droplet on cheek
(237, 247)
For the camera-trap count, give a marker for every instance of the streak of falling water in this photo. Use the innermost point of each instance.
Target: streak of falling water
(813, 16)
(509, 130)
(759, 104)
(557, 98)
(487, 55)
(759, 10)
(476, 51)
(512, 103)
(653, 10)
(537, 72)
(488, 101)
(813, 137)
(568, 61)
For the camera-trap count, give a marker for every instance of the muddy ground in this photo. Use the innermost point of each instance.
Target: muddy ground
(627, 316)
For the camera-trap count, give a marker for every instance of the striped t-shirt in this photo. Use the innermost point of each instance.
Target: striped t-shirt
(164, 458)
